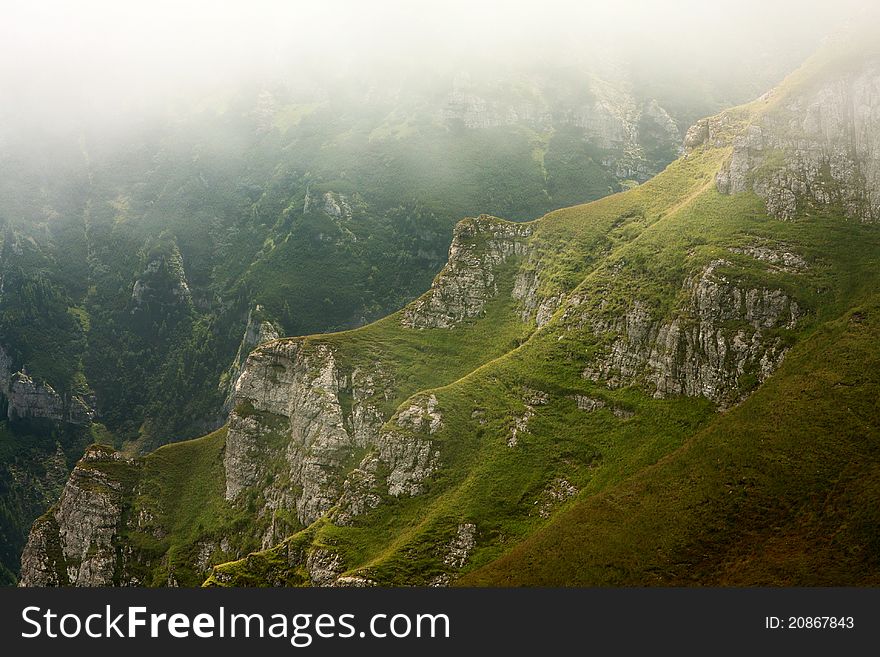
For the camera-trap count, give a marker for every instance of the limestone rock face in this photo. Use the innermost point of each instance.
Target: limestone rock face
(719, 345)
(74, 542)
(588, 404)
(290, 427)
(820, 147)
(324, 566)
(421, 414)
(30, 398)
(403, 450)
(525, 290)
(469, 280)
(288, 395)
(520, 422)
(412, 460)
(258, 330)
(461, 546)
(714, 132)
(780, 258)
(336, 205)
(312, 439)
(333, 204)
(558, 491)
(360, 492)
(42, 561)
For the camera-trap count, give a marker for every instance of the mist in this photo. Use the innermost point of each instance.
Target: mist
(65, 63)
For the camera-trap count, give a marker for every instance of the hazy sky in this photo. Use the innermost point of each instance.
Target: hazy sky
(57, 55)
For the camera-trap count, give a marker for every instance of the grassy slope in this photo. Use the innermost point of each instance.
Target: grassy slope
(499, 488)
(594, 452)
(776, 492)
(671, 492)
(575, 238)
(773, 492)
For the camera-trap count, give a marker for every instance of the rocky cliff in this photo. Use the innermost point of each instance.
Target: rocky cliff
(258, 330)
(547, 360)
(818, 146)
(469, 280)
(28, 398)
(163, 279)
(722, 341)
(76, 542)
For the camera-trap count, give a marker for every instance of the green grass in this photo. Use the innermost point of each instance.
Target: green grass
(183, 512)
(181, 491)
(773, 493)
(646, 242)
(662, 490)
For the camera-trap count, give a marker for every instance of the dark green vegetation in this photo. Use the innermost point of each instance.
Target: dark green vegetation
(131, 256)
(32, 475)
(145, 259)
(643, 490)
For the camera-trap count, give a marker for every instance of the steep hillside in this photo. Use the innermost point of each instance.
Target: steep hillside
(668, 385)
(140, 264)
(774, 493)
(310, 424)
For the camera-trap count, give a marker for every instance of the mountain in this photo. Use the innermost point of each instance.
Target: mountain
(141, 264)
(144, 256)
(671, 385)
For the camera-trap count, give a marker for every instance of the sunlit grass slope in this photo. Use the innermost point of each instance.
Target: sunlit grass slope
(181, 485)
(658, 235)
(644, 489)
(778, 492)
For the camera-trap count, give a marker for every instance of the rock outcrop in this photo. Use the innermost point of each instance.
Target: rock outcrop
(300, 420)
(258, 330)
(818, 147)
(520, 422)
(559, 491)
(163, 278)
(460, 547)
(333, 204)
(712, 132)
(720, 345)
(526, 291)
(778, 256)
(74, 543)
(293, 428)
(28, 398)
(288, 395)
(470, 279)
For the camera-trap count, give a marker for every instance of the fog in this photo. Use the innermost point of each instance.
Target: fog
(66, 62)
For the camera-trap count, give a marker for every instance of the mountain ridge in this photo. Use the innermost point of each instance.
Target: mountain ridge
(452, 437)
(135, 252)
